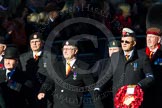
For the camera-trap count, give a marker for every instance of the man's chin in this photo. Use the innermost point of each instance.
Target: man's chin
(9, 68)
(35, 50)
(68, 58)
(150, 47)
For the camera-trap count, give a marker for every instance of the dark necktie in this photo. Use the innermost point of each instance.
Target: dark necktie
(9, 75)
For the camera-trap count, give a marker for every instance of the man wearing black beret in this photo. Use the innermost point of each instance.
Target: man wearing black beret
(99, 71)
(73, 72)
(114, 46)
(35, 68)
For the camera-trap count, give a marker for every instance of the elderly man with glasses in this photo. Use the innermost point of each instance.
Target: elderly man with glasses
(70, 79)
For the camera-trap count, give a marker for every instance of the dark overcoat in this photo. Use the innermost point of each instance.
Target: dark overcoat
(154, 93)
(13, 89)
(68, 90)
(35, 71)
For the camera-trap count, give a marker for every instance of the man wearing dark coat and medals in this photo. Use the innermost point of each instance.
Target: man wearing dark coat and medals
(70, 80)
(129, 66)
(35, 69)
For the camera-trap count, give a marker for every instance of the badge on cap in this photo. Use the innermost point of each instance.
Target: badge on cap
(67, 43)
(124, 33)
(34, 36)
(127, 32)
(113, 43)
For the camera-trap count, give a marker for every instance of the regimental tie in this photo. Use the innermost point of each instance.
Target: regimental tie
(68, 68)
(151, 55)
(36, 56)
(127, 57)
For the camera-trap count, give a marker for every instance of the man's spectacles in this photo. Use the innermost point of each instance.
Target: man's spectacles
(67, 48)
(127, 42)
(32, 42)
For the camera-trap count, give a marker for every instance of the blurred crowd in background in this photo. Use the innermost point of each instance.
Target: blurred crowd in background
(24, 22)
(20, 18)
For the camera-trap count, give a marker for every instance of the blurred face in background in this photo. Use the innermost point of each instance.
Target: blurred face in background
(2, 48)
(152, 41)
(113, 50)
(53, 14)
(127, 43)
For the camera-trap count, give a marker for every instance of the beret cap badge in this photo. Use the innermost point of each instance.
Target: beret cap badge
(114, 43)
(34, 36)
(67, 43)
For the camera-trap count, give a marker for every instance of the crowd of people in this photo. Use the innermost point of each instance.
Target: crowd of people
(20, 18)
(33, 77)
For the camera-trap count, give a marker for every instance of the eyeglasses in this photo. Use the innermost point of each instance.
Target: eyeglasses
(67, 48)
(127, 42)
(32, 41)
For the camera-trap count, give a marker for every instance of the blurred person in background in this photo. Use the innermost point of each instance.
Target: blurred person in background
(99, 72)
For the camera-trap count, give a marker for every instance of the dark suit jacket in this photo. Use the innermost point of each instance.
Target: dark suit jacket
(99, 71)
(99, 67)
(35, 70)
(136, 70)
(12, 89)
(68, 92)
(154, 93)
(156, 64)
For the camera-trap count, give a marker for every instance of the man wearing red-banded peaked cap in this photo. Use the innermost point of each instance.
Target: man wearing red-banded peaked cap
(128, 32)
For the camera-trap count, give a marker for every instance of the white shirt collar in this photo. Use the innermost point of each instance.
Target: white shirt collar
(130, 54)
(51, 19)
(154, 50)
(1, 57)
(71, 62)
(7, 71)
(39, 53)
